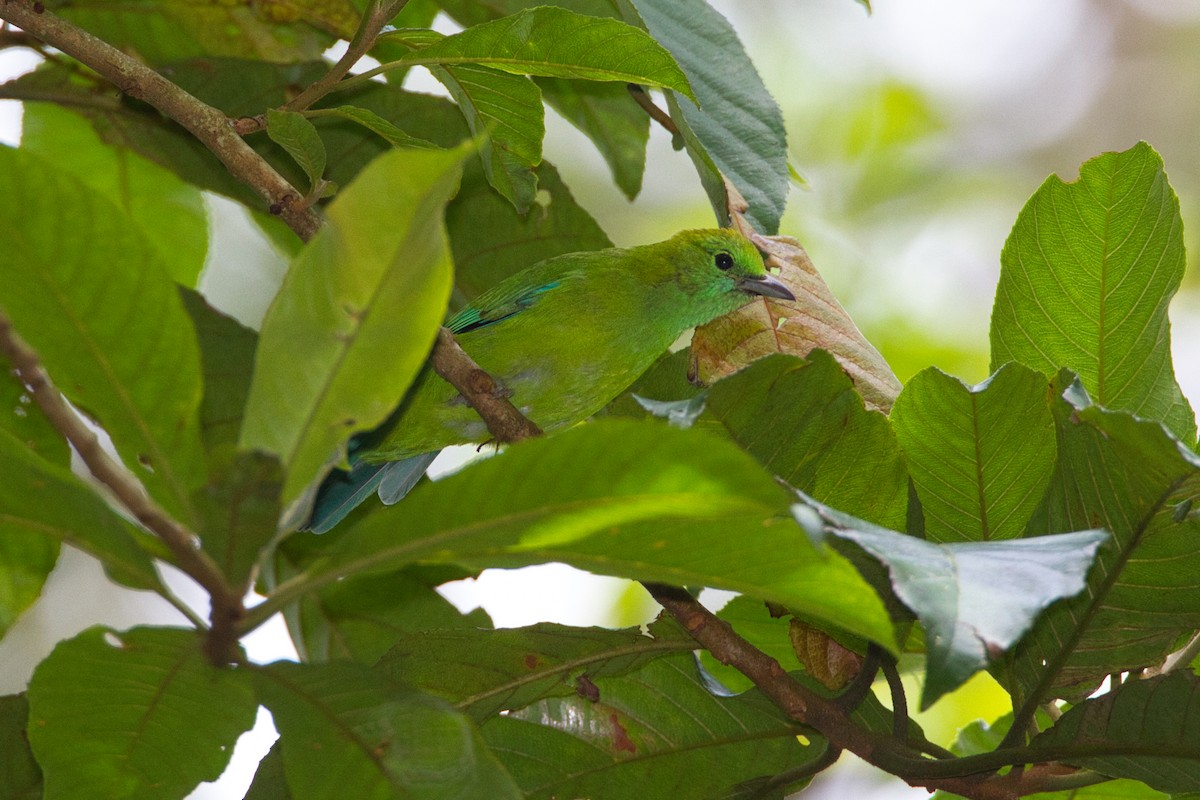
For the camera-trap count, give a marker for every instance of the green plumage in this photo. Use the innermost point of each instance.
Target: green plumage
(566, 336)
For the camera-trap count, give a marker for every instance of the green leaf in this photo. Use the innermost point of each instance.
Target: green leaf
(980, 456)
(737, 129)
(374, 123)
(805, 422)
(556, 43)
(491, 241)
(25, 421)
(607, 115)
(370, 289)
(20, 775)
(227, 362)
(1129, 476)
(44, 504)
(160, 31)
(300, 139)
(167, 211)
(239, 507)
(1086, 276)
(362, 619)
(973, 598)
(270, 780)
(657, 732)
(27, 563)
(635, 500)
(1147, 730)
(504, 112)
(348, 732)
(473, 12)
(91, 295)
(754, 622)
(138, 713)
(485, 672)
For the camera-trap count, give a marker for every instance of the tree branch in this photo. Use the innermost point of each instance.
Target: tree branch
(504, 422)
(226, 602)
(206, 123)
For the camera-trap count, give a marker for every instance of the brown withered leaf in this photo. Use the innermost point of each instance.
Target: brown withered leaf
(826, 660)
(767, 326)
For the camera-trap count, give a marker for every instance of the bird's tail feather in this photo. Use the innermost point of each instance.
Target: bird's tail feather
(342, 491)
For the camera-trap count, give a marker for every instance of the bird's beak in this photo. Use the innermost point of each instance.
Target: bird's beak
(766, 286)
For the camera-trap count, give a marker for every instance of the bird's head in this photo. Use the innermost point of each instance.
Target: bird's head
(722, 270)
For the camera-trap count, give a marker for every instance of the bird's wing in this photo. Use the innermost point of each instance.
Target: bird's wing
(497, 304)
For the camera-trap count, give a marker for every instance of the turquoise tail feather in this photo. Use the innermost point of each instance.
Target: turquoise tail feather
(342, 491)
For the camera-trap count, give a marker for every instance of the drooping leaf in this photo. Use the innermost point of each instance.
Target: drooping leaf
(369, 289)
(376, 124)
(553, 42)
(485, 672)
(137, 713)
(1147, 730)
(1129, 476)
(814, 320)
(491, 240)
(657, 732)
(636, 500)
(160, 31)
(44, 502)
(737, 129)
(239, 507)
(300, 139)
(227, 362)
(607, 115)
(348, 732)
(89, 293)
(1086, 276)
(973, 598)
(805, 423)
(362, 619)
(980, 456)
(505, 113)
(20, 775)
(167, 211)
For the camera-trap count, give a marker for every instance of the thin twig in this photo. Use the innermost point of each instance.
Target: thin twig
(182, 543)
(137, 80)
(642, 97)
(899, 700)
(377, 15)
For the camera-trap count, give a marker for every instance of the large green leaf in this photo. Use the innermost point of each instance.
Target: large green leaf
(973, 598)
(167, 30)
(1129, 476)
(1086, 276)
(20, 775)
(980, 456)
(227, 362)
(491, 240)
(737, 130)
(89, 292)
(485, 672)
(474, 12)
(805, 422)
(137, 714)
(658, 732)
(348, 732)
(42, 504)
(636, 500)
(556, 43)
(356, 315)
(239, 508)
(607, 115)
(1148, 730)
(167, 211)
(20, 417)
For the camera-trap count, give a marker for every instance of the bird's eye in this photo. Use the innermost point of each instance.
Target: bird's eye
(723, 261)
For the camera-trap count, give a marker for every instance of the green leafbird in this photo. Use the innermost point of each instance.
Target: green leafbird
(563, 337)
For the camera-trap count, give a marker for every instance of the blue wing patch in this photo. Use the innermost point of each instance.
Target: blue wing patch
(488, 309)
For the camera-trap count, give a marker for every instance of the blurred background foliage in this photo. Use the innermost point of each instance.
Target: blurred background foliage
(916, 134)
